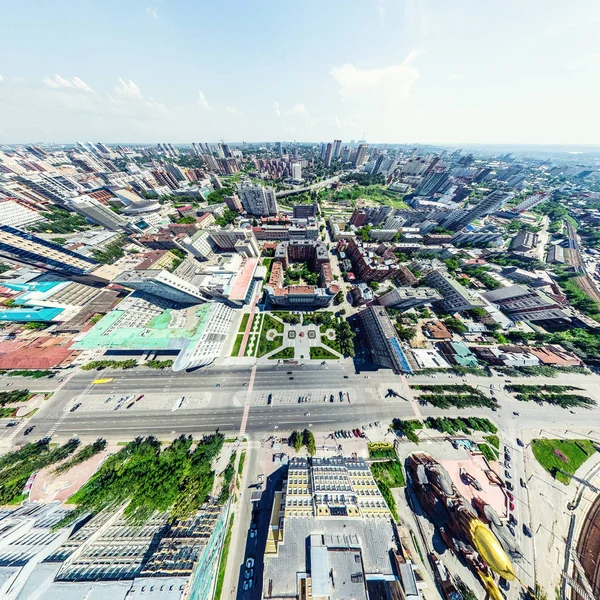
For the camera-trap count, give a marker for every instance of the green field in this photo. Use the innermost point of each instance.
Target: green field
(284, 353)
(237, 344)
(264, 345)
(244, 323)
(320, 353)
(567, 455)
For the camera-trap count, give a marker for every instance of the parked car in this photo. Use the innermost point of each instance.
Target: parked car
(512, 531)
(247, 584)
(248, 573)
(28, 430)
(526, 530)
(522, 482)
(249, 563)
(509, 486)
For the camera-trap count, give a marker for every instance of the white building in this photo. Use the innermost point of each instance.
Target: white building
(161, 283)
(15, 215)
(98, 213)
(200, 245)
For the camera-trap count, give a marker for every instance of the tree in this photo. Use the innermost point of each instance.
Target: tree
(295, 440)
(186, 221)
(309, 441)
(338, 298)
(374, 285)
(455, 325)
(178, 252)
(405, 333)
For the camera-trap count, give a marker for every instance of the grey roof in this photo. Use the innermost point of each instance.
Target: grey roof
(373, 536)
(502, 293)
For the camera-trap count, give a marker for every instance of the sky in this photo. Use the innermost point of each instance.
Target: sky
(393, 71)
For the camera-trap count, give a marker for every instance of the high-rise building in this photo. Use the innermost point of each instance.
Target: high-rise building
(165, 178)
(381, 339)
(337, 148)
(98, 213)
(432, 183)
(361, 155)
(233, 203)
(210, 161)
(345, 156)
(258, 200)
(455, 296)
(328, 155)
(28, 249)
(297, 171)
(161, 283)
(491, 203)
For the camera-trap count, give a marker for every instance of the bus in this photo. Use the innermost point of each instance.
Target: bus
(98, 381)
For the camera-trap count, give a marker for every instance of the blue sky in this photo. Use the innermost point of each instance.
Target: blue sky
(410, 71)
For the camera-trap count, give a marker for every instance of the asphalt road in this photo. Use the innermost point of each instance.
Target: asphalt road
(228, 393)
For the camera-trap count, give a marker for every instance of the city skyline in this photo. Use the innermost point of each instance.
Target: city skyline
(393, 72)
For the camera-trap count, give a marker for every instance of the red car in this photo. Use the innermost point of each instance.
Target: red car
(512, 505)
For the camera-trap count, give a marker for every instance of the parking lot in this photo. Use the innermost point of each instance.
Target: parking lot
(137, 402)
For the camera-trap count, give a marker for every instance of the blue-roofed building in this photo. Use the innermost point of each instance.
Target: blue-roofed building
(26, 314)
(457, 353)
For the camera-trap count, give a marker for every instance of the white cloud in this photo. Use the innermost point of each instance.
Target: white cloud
(81, 85)
(395, 80)
(233, 111)
(1, 79)
(58, 82)
(127, 88)
(298, 108)
(152, 11)
(202, 101)
(276, 107)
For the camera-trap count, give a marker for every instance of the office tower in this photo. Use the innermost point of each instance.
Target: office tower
(491, 203)
(432, 183)
(345, 157)
(98, 213)
(361, 155)
(328, 155)
(28, 249)
(297, 171)
(337, 148)
(161, 283)
(233, 203)
(278, 148)
(258, 200)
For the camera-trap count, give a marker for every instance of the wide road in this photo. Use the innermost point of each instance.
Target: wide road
(229, 400)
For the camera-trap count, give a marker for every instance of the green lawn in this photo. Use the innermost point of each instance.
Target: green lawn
(567, 455)
(270, 323)
(285, 353)
(320, 353)
(264, 345)
(489, 452)
(389, 472)
(244, 322)
(333, 344)
(237, 344)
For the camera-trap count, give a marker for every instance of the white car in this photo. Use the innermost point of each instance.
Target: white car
(247, 584)
(249, 563)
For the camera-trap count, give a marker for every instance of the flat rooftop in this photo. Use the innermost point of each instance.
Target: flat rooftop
(371, 537)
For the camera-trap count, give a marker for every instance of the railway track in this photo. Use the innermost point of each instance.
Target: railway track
(574, 257)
